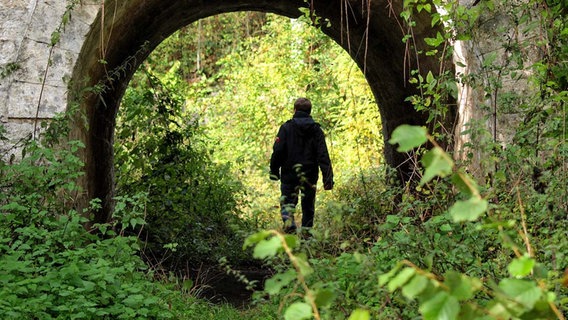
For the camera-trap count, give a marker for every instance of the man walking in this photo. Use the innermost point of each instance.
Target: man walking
(299, 150)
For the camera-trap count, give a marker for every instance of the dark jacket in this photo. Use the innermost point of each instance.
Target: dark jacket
(299, 150)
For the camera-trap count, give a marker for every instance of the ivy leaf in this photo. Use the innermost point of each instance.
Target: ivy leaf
(267, 248)
(441, 307)
(360, 314)
(437, 163)
(524, 292)
(521, 267)
(430, 77)
(468, 210)
(55, 36)
(434, 42)
(273, 285)
(408, 137)
(298, 311)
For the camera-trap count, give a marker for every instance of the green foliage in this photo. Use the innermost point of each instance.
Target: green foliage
(50, 265)
(260, 79)
(498, 286)
(456, 248)
(463, 270)
(161, 151)
(292, 281)
(452, 297)
(199, 46)
(55, 265)
(8, 69)
(58, 270)
(240, 107)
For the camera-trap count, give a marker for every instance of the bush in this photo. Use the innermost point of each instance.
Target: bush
(50, 266)
(191, 201)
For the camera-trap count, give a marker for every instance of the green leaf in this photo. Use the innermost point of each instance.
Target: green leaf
(430, 77)
(267, 248)
(408, 137)
(441, 307)
(298, 311)
(468, 210)
(187, 284)
(55, 36)
(384, 278)
(465, 184)
(14, 206)
(134, 301)
(291, 241)
(437, 163)
(324, 297)
(498, 310)
(461, 286)
(524, 292)
(273, 285)
(521, 267)
(303, 264)
(434, 42)
(360, 314)
(401, 278)
(255, 238)
(415, 286)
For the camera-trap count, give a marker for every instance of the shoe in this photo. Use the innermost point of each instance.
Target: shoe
(305, 233)
(290, 229)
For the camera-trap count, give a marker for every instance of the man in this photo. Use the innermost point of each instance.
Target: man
(299, 150)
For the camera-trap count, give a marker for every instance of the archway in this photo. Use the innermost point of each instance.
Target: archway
(125, 33)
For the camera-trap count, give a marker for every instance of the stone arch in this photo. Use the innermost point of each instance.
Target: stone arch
(125, 33)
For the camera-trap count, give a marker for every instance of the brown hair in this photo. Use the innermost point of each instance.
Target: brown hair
(303, 104)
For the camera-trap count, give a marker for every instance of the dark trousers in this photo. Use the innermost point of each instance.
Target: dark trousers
(289, 200)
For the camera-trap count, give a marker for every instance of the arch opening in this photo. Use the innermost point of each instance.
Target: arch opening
(239, 106)
(125, 34)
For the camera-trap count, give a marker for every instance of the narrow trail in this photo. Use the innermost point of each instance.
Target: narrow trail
(216, 286)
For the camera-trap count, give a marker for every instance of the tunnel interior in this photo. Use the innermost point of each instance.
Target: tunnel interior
(126, 32)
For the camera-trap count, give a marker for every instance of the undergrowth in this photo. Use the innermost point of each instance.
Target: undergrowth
(448, 245)
(55, 265)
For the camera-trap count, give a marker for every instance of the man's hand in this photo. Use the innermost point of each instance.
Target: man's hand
(274, 176)
(328, 186)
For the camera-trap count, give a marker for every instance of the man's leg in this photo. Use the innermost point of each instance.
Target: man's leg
(288, 202)
(308, 205)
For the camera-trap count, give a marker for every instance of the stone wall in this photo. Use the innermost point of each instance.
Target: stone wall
(35, 74)
(495, 82)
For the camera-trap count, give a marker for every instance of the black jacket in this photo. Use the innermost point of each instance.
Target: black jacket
(299, 150)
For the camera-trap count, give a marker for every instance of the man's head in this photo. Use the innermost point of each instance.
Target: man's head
(303, 104)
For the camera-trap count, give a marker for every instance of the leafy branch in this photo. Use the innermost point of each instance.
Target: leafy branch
(438, 163)
(453, 298)
(271, 243)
